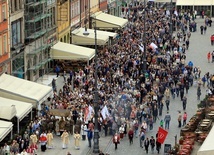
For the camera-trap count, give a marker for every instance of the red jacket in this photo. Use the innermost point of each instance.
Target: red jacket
(116, 139)
(131, 134)
(212, 38)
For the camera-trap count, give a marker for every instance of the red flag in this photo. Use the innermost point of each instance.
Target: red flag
(162, 135)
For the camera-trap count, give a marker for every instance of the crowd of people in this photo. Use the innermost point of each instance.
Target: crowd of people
(134, 97)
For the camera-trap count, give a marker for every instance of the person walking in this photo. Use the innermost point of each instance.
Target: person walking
(77, 140)
(146, 145)
(57, 69)
(198, 92)
(184, 101)
(89, 136)
(179, 119)
(202, 29)
(65, 139)
(208, 57)
(121, 131)
(152, 144)
(184, 118)
(49, 140)
(136, 127)
(83, 131)
(65, 76)
(131, 135)
(167, 120)
(43, 141)
(142, 137)
(116, 140)
(167, 104)
(158, 146)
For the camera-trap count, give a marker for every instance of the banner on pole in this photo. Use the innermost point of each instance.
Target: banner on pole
(162, 135)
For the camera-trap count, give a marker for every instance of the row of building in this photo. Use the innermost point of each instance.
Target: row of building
(29, 28)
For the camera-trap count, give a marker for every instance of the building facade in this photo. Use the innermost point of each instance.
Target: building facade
(103, 5)
(63, 20)
(39, 25)
(4, 38)
(17, 37)
(115, 7)
(75, 8)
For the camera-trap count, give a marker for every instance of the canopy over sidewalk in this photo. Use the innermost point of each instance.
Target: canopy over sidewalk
(64, 51)
(106, 21)
(7, 111)
(194, 2)
(23, 90)
(80, 39)
(11, 108)
(207, 146)
(5, 129)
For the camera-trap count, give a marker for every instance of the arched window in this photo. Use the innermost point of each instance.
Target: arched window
(34, 60)
(65, 41)
(68, 37)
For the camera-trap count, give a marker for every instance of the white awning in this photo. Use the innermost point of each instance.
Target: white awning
(107, 21)
(64, 51)
(23, 90)
(21, 108)
(203, 2)
(207, 146)
(7, 111)
(185, 2)
(165, 1)
(80, 39)
(5, 129)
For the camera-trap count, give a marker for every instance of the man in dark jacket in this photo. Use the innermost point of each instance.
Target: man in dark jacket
(146, 145)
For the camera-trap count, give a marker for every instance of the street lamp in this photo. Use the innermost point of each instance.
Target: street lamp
(144, 40)
(96, 131)
(171, 31)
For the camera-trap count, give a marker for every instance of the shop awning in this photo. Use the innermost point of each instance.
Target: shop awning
(21, 108)
(207, 146)
(7, 112)
(203, 2)
(80, 39)
(23, 90)
(5, 129)
(185, 2)
(64, 51)
(164, 1)
(106, 21)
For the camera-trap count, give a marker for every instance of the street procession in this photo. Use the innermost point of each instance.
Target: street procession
(146, 90)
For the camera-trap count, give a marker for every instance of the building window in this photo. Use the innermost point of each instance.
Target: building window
(1, 45)
(4, 44)
(3, 12)
(54, 16)
(15, 5)
(16, 32)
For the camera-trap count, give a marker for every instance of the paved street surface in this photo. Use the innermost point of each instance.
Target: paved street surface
(197, 53)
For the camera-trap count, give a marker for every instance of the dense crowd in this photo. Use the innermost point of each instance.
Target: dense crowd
(134, 98)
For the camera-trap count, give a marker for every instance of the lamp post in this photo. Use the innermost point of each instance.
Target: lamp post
(144, 39)
(171, 31)
(96, 108)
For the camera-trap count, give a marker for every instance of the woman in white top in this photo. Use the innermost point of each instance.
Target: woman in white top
(121, 131)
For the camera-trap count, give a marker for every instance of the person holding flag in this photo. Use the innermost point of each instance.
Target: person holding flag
(160, 138)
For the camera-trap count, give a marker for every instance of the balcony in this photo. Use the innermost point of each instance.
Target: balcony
(37, 18)
(38, 50)
(36, 34)
(33, 3)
